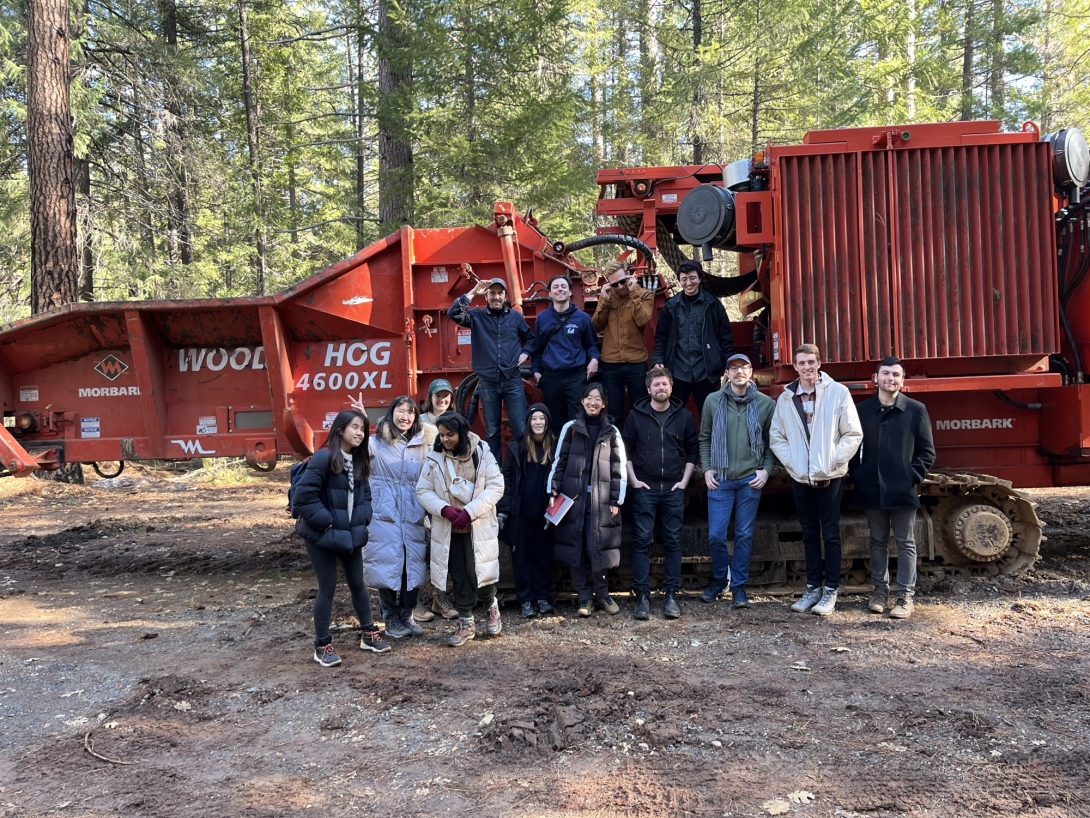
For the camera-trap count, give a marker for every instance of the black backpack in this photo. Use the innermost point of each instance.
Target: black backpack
(296, 475)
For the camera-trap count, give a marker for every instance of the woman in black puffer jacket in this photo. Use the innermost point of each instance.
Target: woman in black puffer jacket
(333, 504)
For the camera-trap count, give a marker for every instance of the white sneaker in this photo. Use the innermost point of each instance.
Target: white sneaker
(827, 603)
(809, 599)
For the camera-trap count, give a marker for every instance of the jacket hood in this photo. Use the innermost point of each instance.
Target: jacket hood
(643, 406)
(426, 436)
(823, 381)
(474, 442)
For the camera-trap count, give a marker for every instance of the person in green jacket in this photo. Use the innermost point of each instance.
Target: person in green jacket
(737, 459)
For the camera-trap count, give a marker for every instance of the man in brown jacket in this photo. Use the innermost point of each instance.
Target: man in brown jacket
(624, 308)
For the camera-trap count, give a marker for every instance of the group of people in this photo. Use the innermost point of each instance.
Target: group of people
(425, 484)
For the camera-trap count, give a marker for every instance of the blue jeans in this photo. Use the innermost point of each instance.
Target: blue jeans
(616, 378)
(741, 498)
(512, 394)
(670, 506)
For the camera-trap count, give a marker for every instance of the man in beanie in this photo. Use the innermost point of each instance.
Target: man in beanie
(502, 342)
(737, 459)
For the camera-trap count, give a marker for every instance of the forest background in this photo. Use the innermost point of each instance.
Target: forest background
(234, 148)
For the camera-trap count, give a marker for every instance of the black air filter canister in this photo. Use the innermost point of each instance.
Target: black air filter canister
(705, 218)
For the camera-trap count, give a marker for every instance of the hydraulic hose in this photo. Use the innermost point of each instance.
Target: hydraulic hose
(611, 238)
(1017, 404)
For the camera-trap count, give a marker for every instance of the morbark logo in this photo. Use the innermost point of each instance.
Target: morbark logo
(111, 368)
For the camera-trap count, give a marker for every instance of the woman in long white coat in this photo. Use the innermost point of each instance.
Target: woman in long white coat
(394, 560)
(460, 486)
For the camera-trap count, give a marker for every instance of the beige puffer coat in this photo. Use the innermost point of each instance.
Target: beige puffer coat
(433, 491)
(825, 454)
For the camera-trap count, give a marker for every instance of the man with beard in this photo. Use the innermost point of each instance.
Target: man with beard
(660, 437)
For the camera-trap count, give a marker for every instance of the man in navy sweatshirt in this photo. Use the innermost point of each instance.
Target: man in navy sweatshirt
(501, 344)
(565, 352)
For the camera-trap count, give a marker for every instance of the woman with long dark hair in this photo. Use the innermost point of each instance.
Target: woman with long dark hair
(522, 511)
(590, 468)
(333, 503)
(460, 485)
(394, 560)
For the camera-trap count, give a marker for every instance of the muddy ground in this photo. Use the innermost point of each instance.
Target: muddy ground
(165, 626)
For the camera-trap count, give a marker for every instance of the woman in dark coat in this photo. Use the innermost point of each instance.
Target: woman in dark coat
(522, 511)
(333, 504)
(590, 468)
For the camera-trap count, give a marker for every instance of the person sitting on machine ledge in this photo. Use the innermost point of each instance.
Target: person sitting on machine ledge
(624, 308)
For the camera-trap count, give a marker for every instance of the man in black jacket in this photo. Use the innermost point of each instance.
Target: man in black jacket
(660, 438)
(887, 470)
(693, 338)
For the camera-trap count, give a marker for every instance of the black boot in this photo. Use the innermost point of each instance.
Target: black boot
(670, 606)
(643, 606)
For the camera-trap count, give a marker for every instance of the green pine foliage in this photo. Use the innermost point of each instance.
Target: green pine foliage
(521, 100)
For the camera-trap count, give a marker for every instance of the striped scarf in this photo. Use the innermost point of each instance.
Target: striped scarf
(719, 456)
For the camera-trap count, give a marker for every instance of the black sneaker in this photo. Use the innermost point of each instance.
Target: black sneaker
(544, 607)
(372, 640)
(528, 610)
(643, 606)
(739, 596)
(326, 656)
(670, 607)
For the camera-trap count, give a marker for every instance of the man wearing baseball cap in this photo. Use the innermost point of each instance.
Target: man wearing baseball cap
(501, 343)
(737, 459)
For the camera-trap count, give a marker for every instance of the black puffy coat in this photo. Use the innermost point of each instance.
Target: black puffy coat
(515, 468)
(896, 453)
(321, 500)
(602, 463)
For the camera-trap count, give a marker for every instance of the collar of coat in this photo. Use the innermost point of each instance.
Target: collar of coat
(822, 382)
(579, 424)
(900, 403)
(643, 406)
(425, 437)
(702, 297)
(474, 442)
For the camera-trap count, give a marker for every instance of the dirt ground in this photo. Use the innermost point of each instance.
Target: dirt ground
(155, 660)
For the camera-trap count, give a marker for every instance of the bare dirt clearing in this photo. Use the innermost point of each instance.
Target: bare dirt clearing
(167, 627)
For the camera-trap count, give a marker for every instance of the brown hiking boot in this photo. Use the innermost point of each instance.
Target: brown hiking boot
(441, 605)
(467, 629)
(903, 608)
(422, 614)
(878, 601)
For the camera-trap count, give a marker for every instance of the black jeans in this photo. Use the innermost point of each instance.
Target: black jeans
(819, 516)
(586, 581)
(698, 389)
(670, 507)
(463, 576)
(325, 569)
(532, 559)
(561, 392)
(618, 377)
(389, 603)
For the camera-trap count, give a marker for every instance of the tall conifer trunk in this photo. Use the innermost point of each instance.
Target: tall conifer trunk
(54, 271)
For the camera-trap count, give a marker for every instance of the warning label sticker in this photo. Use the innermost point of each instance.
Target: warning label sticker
(28, 394)
(88, 427)
(465, 337)
(327, 424)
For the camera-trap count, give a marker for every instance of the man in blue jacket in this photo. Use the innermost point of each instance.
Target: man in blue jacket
(896, 453)
(565, 352)
(502, 342)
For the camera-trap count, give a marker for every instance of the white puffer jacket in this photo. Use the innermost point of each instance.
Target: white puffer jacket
(837, 433)
(433, 491)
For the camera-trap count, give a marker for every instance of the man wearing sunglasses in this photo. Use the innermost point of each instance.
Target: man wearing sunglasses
(624, 308)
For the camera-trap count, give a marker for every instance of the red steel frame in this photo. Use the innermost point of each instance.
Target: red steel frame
(932, 242)
(258, 377)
